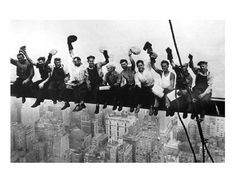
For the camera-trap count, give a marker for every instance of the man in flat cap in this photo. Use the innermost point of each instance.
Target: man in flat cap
(183, 84)
(25, 73)
(95, 77)
(202, 90)
(45, 72)
(111, 78)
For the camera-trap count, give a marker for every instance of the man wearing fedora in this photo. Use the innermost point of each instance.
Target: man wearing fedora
(202, 90)
(25, 73)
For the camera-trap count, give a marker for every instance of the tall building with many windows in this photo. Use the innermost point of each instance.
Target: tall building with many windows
(117, 126)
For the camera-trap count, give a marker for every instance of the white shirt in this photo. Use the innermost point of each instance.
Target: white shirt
(144, 78)
(78, 73)
(166, 80)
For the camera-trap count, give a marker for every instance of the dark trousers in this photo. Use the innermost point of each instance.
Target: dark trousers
(57, 90)
(144, 95)
(127, 95)
(80, 92)
(40, 92)
(20, 89)
(111, 96)
(183, 103)
(93, 93)
(201, 103)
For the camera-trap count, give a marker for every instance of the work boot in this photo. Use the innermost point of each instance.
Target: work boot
(193, 115)
(37, 103)
(167, 112)
(23, 99)
(155, 112)
(137, 108)
(77, 108)
(105, 105)
(114, 107)
(97, 108)
(83, 106)
(66, 105)
(120, 108)
(172, 113)
(132, 109)
(202, 115)
(151, 111)
(185, 115)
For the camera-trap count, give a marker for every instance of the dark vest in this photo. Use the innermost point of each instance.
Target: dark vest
(44, 70)
(58, 74)
(201, 82)
(94, 77)
(23, 69)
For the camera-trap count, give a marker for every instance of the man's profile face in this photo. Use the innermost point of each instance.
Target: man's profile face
(91, 62)
(164, 67)
(57, 63)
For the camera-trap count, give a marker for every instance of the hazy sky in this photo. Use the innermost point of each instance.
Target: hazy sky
(204, 39)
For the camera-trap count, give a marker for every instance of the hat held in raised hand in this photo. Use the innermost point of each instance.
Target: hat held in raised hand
(135, 50)
(71, 39)
(147, 45)
(53, 52)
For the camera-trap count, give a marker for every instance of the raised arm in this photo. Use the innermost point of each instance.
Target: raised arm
(156, 69)
(191, 65)
(170, 57)
(27, 57)
(13, 61)
(106, 56)
(51, 53)
(131, 60)
(70, 40)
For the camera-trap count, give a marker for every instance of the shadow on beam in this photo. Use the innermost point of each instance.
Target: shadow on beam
(216, 106)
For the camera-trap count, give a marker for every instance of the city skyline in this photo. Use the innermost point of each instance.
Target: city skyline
(47, 134)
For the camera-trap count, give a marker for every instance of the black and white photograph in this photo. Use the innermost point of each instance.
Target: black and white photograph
(117, 91)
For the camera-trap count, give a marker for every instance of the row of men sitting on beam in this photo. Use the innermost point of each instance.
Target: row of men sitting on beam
(134, 88)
